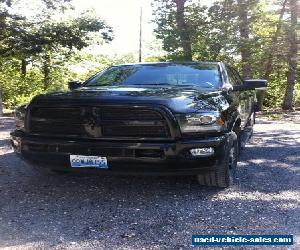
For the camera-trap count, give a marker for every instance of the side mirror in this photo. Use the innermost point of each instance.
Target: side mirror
(74, 85)
(251, 85)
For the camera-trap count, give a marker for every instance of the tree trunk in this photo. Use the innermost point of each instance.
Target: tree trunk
(46, 70)
(244, 33)
(269, 62)
(183, 32)
(292, 60)
(23, 67)
(1, 103)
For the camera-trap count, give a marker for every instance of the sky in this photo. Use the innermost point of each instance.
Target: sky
(123, 16)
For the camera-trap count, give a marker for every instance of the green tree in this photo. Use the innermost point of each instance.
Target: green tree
(46, 44)
(254, 35)
(31, 41)
(177, 25)
(64, 38)
(292, 56)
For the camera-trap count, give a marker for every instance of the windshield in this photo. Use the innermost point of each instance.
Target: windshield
(200, 75)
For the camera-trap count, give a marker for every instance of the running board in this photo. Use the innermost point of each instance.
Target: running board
(246, 135)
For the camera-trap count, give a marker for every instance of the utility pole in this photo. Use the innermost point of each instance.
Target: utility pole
(140, 45)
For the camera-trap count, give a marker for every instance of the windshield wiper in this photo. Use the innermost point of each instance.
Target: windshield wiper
(156, 84)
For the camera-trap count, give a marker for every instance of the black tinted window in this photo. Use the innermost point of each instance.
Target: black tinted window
(230, 77)
(234, 76)
(201, 75)
(237, 76)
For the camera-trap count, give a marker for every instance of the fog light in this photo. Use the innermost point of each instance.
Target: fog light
(202, 151)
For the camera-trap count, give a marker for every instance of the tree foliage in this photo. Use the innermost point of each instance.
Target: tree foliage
(42, 51)
(254, 35)
(43, 43)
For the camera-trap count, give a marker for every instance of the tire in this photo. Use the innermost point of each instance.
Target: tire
(254, 117)
(251, 121)
(225, 173)
(237, 131)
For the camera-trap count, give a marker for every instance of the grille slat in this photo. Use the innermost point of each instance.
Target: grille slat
(56, 127)
(56, 113)
(75, 149)
(155, 131)
(97, 122)
(133, 114)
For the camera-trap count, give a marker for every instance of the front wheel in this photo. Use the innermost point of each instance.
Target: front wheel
(225, 174)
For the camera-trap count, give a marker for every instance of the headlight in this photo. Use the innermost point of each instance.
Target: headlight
(20, 116)
(201, 122)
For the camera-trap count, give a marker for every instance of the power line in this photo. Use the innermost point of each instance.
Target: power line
(140, 42)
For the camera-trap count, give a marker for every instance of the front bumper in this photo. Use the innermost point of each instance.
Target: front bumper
(124, 157)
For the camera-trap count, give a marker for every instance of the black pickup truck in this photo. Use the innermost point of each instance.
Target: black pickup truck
(156, 118)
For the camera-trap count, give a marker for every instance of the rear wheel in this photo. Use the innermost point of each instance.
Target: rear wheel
(237, 131)
(225, 173)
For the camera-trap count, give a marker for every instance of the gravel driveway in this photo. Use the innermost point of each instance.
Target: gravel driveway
(103, 212)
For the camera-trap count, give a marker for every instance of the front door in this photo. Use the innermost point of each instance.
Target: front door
(245, 98)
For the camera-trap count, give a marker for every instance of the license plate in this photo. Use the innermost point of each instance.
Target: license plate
(82, 161)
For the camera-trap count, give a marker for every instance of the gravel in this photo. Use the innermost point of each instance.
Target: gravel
(40, 211)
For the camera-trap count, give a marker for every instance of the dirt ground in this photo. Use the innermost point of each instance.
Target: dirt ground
(39, 211)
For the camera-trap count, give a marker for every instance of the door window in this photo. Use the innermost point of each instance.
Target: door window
(234, 77)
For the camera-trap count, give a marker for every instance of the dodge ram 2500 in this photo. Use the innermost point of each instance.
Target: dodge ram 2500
(157, 118)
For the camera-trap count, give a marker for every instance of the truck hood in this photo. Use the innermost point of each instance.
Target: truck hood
(177, 99)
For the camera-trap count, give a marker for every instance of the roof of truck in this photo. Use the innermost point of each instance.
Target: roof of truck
(168, 63)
